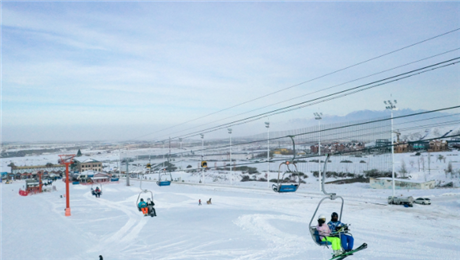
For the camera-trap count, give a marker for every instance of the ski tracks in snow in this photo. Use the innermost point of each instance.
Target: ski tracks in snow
(126, 235)
(283, 245)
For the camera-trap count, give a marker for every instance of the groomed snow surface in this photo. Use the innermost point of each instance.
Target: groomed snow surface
(245, 221)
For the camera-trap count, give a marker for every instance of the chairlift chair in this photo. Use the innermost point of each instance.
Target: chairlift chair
(164, 182)
(330, 196)
(151, 212)
(139, 197)
(292, 187)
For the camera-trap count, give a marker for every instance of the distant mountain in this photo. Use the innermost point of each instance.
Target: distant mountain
(429, 125)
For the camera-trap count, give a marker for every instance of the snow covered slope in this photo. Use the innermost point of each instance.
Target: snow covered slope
(244, 222)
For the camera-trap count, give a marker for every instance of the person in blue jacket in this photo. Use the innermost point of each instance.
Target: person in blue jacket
(339, 229)
(143, 206)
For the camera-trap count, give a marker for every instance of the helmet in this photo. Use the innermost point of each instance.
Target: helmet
(142, 199)
(322, 216)
(334, 214)
(148, 199)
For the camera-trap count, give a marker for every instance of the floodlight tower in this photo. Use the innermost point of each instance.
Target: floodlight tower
(392, 106)
(202, 157)
(318, 116)
(267, 125)
(231, 173)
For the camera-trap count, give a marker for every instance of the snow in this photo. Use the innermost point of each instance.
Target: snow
(245, 221)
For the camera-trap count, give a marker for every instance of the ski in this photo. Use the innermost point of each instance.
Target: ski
(346, 254)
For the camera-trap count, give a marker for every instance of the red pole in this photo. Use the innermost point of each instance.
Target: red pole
(40, 182)
(67, 197)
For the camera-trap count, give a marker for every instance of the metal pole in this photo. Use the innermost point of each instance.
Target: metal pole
(392, 155)
(67, 193)
(119, 165)
(318, 117)
(231, 173)
(319, 149)
(127, 174)
(267, 125)
(391, 105)
(202, 157)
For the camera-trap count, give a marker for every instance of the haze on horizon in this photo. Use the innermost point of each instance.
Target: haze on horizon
(117, 71)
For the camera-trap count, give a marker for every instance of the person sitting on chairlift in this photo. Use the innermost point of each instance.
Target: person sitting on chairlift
(150, 207)
(143, 207)
(98, 192)
(325, 235)
(341, 230)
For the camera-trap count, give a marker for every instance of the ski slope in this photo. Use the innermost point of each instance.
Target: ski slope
(247, 221)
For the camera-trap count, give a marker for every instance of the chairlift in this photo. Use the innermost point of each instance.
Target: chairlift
(330, 196)
(281, 187)
(166, 182)
(147, 197)
(93, 191)
(142, 192)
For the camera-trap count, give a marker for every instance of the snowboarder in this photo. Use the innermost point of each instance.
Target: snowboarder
(143, 207)
(199, 202)
(100, 257)
(209, 201)
(325, 235)
(151, 209)
(341, 230)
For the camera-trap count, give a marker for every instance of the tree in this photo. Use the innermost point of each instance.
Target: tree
(403, 170)
(79, 153)
(449, 170)
(440, 157)
(49, 164)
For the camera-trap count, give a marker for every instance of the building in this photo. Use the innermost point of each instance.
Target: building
(418, 145)
(402, 147)
(30, 172)
(86, 164)
(437, 146)
(454, 143)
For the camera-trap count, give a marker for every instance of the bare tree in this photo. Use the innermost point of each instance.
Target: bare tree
(403, 170)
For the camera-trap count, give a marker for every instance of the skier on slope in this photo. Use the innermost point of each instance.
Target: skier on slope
(143, 207)
(325, 235)
(341, 229)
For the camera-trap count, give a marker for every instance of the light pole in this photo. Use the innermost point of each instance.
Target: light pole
(180, 148)
(318, 116)
(392, 106)
(231, 173)
(267, 125)
(202, 156)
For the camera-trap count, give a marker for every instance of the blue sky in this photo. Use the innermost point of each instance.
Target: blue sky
(92, 71)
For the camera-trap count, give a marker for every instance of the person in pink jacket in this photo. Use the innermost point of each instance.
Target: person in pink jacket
(324, 234)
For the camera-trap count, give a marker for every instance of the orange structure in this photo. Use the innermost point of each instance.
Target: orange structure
(67, 159)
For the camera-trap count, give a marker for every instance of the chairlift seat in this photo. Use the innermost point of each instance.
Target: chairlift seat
(286, 188)
(164, 183)
(317, 238)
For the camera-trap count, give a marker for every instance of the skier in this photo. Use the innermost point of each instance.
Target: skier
(199, 202)
(143, 207)
(341, 229)
(150, 207)
(325, 235)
